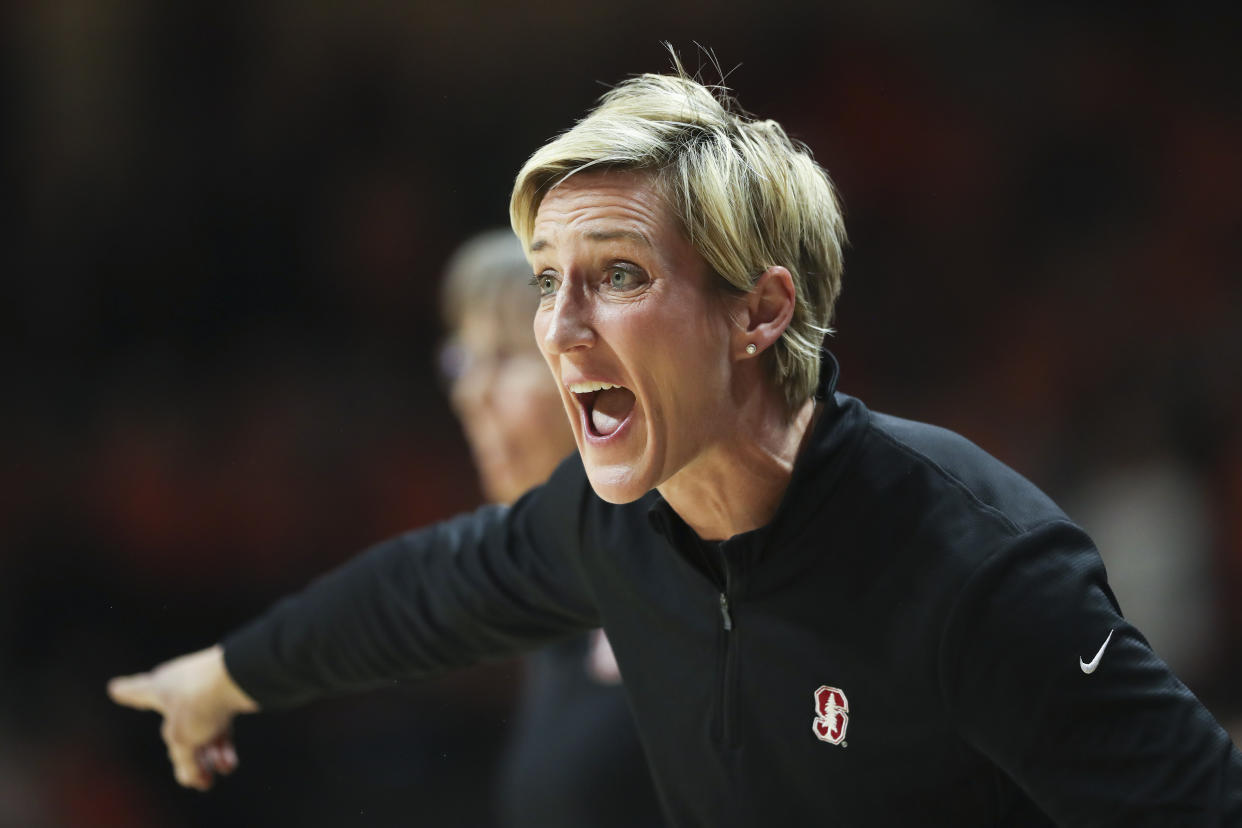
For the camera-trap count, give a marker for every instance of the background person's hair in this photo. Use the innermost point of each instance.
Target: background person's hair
(747, 195)
(489, 274)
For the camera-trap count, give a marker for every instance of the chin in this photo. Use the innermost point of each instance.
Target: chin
(616, 484)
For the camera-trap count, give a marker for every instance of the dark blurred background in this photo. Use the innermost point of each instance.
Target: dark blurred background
(226, 225)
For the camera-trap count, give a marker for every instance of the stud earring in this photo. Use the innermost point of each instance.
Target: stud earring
(752, 348)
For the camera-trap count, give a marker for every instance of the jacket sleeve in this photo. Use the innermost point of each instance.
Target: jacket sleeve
(482, 585)
(1044, 676)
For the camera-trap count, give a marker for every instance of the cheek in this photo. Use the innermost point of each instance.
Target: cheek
(687, 353)
(540, 329)
(472, 410)
(532, 409)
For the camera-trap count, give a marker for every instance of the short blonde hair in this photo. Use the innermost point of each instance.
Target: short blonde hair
(747, 195)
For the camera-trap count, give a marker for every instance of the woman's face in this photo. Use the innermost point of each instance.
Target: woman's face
(507, 403)
(638, 339)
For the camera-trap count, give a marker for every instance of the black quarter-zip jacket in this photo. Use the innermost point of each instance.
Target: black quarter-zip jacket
(919, 637)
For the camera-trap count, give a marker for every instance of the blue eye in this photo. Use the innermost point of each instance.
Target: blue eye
(546, 283)
(620, 278)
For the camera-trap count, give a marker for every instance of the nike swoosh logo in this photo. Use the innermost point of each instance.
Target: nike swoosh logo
(1088, 667)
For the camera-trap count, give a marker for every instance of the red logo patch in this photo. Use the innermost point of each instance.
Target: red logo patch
(832, 715)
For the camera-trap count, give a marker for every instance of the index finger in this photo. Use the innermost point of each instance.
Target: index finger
(137, 691)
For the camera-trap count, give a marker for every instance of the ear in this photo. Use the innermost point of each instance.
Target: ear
(766, 312)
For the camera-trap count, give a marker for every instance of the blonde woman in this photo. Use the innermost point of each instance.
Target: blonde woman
(824, 615)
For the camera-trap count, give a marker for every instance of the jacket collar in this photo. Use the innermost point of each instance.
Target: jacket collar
(839, 420)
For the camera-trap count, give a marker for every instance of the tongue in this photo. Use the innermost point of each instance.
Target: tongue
(610, 409)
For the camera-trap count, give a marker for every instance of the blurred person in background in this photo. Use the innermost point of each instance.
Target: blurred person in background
(574, 758)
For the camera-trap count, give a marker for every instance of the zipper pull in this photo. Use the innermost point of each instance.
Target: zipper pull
(724, 612)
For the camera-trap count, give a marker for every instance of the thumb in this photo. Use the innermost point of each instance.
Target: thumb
(137, 691)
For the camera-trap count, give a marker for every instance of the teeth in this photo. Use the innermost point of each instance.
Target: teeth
(588, 387)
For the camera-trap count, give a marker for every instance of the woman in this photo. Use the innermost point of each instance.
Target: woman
(824, 615)
(574, 758)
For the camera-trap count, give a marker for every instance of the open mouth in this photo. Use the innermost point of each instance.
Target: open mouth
(606, 406)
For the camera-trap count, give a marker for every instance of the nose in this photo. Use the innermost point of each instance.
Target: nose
(567, 324)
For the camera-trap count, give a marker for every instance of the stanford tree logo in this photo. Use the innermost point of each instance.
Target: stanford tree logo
(832, 715)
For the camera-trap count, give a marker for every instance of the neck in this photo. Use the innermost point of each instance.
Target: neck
(738, 485)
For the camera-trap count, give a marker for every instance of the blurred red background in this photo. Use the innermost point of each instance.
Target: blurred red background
(222, 257)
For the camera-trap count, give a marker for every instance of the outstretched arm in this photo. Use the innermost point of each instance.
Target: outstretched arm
(473, 588)
(484, 585)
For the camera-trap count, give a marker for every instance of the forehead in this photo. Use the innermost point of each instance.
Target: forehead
(490, 294)
(494, 323)
(603, 206)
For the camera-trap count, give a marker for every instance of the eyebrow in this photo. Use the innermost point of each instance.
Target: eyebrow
(597, 236)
